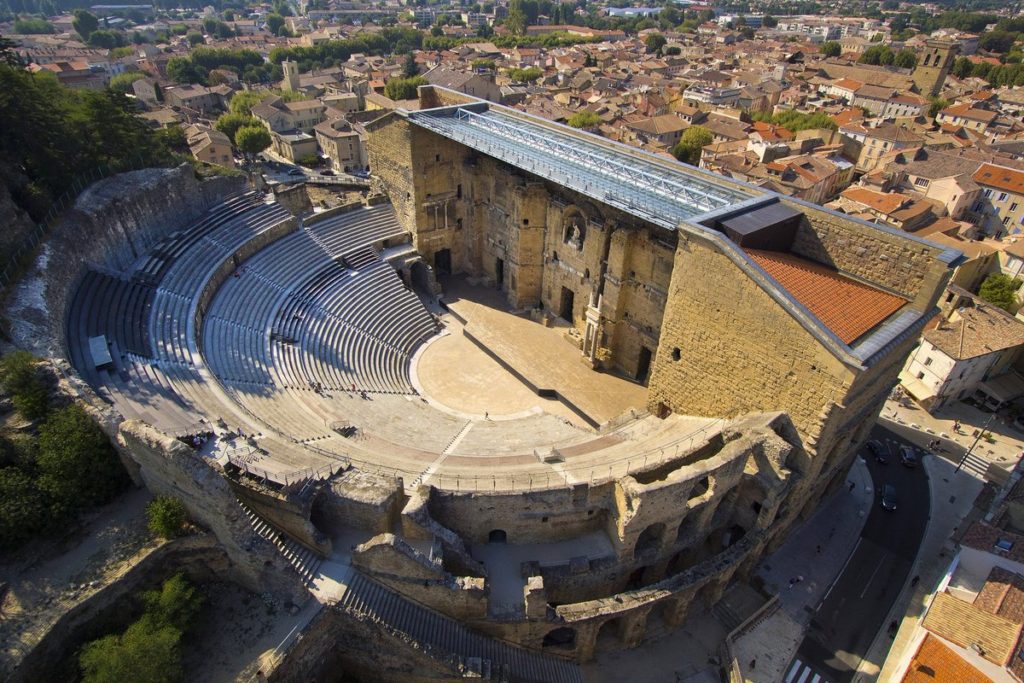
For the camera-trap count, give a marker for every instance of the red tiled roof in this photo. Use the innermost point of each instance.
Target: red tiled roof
(847, 307)
(935, 662)
(1000, 177)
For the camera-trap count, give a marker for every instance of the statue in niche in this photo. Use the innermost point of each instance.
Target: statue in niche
(575, 232)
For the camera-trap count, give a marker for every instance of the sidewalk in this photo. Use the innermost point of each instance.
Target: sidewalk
(817, 551)
(952, 496)
(1009, 442)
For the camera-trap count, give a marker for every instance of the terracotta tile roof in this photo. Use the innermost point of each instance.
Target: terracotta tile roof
(879, 201)
(1007, 179)
(964, 624)
(934, 662)
(847, 84)
(1003, 594)
(847, 307)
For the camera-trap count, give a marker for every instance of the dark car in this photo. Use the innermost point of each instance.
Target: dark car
(327, 172)
(878, 451)
(295, 171)
(908, 458)
(889, 497)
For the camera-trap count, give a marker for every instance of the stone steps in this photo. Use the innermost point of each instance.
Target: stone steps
(302, 559)
(447, 640)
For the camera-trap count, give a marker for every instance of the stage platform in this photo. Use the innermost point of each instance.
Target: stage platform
(540, 356)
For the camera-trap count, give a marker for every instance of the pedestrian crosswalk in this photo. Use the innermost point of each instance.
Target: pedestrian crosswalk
(975, 464)
(802, 672)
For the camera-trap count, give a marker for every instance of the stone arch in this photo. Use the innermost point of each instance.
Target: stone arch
(497, 536)
(649, 540)
(609, 634)
(562, 638)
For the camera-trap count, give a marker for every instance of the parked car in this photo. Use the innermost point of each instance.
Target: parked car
(908, 457)
(889, 497)
(361, 174)
(878, 451)
(295, 171)
(327, 172)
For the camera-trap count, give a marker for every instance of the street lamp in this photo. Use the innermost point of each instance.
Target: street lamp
(976, 440)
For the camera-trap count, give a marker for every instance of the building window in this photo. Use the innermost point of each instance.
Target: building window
(920, 375)
(1006, 220)
(927, 361)
(1003, 196)
(921, 182)
(1013, 207)
(988, 192)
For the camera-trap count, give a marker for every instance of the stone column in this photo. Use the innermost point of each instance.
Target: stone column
(634, 627)
(676, 608)
(586, 639)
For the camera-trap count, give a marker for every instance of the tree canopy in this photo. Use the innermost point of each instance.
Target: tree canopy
(794, 121)
(403, 88)
(527, 75)
(58, 134)
(1000, 290)
(84, 23)
(689, 147)
(251, 140)
(831, 49)
(584, 119)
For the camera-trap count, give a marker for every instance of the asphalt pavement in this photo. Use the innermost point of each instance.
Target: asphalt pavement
(854, 608)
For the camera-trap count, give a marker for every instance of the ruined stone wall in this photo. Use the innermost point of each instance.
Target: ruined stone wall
(393, 562)
(294, 198)
(357, 500)
(169, 467)
(199, 557)
(287, 513)
(390, 152)
(113, 223)
(337, 643)
(728, 348)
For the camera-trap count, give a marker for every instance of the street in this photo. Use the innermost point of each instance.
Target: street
(855, 607)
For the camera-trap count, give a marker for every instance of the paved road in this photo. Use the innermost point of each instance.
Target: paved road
(856, 606)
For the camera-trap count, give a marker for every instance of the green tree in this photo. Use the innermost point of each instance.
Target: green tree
(106, 38)
(30, 391)
(515, 22)
(166, 516)
(410, 68)
(84, 23)
(484, 30)
(142, 653)
(32, 26)
(123, 82)
(937, 105)
(23, 508)
(195, 38)
(962, 67)
(251, 140)
(997, 41)
(181, 70)
(525, 75)
(1000, 290)
(275, 22)
(584, 119)
(654, 42)
(403, 88)
(689, 147)
(230, 122)
(176, 604)
(905, 59)
(77, 464)
(831, 49)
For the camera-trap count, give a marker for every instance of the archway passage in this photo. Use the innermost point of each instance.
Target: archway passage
(443, 261)
(650, 540)
(497, 536)
(565, 307)
(563, 638)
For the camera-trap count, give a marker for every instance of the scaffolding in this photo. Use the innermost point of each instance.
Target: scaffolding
(625, 180)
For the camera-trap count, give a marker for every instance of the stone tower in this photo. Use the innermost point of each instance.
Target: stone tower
(933, 66)
(291, 75)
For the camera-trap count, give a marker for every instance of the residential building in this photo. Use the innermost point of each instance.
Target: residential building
(342, 144)
(664, 130)
(933, 66)
(210, 145)
(280, 116)
(293, 145)
(869, 144)
(966, 354)
(1001, 205)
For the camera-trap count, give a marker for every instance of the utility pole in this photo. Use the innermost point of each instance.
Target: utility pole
(976, 440)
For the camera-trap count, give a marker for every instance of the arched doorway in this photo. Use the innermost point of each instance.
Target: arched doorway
(497, 536)
(563, 638)
(649, 541)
